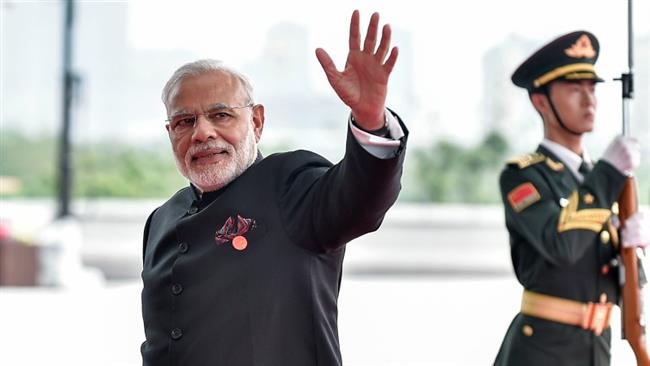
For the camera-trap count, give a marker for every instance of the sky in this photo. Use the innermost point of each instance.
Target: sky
(439, 28)
(436, 25)
(448, 40)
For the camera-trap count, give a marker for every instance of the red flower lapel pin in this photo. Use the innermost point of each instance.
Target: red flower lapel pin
(233, 230)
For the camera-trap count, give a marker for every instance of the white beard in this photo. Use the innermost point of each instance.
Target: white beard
(219, 174)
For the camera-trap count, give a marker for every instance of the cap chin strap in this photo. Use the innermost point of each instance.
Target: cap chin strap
(547, 92)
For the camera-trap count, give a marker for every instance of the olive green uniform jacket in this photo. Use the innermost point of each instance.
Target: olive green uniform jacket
(563, 243)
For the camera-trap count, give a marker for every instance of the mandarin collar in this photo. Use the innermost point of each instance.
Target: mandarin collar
(205, 198)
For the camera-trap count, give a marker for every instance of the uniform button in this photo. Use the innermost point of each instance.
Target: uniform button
(183, 247)
(176, 333)
(527, 330)
(615, 208)
(193, 210)
(603, 298)
(588, 198)
(604, 237)
(177, 288)
(604, 269)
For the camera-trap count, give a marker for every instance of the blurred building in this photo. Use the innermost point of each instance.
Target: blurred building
(296, 117)
(118, 89)
(640, 119)
(401, 86)
(31, 66)
(505, 107)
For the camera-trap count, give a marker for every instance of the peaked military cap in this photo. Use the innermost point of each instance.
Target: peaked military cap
(569, 57)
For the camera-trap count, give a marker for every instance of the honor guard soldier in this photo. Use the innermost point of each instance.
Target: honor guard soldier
(560, 210)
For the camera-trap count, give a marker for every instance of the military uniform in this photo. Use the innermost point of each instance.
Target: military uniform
(563, 244)
(561, 217)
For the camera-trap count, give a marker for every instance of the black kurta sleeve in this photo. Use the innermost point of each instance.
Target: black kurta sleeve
(324, 207)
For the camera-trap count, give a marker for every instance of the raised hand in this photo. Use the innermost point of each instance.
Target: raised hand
(362, 85)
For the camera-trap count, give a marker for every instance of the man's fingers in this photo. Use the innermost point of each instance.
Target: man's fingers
(382, 50)
(390, 63)
(355, 37)
(327, 64)
(371, 34)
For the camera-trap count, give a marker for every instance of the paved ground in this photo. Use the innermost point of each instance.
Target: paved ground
(384, 321)
(432, 287)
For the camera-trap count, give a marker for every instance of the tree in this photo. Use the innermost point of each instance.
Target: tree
(447, 172)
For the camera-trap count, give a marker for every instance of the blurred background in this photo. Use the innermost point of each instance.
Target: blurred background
(433, 283)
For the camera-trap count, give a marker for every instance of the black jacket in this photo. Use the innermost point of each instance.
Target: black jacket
(274, 302)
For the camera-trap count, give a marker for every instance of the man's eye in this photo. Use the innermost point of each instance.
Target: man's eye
(184, 122)
(217, 115)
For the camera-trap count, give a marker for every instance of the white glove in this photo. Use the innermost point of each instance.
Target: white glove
(636, 232)
(624, 153)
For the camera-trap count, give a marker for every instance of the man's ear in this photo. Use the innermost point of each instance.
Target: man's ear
(258, 121)
(169, 132)
(540, 102)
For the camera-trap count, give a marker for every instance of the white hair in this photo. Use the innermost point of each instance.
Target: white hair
(200, 67)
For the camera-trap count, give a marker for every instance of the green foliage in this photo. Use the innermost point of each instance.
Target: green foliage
(109, 171)
(100, 170)
(447, 172)
(444, 172)
(32, 160)
(642, 176)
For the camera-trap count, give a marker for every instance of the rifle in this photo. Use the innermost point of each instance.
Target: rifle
(633, 327)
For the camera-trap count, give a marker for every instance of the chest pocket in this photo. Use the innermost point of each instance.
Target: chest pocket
(561, 183)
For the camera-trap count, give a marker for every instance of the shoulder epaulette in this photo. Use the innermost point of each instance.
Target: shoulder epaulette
(527, 160)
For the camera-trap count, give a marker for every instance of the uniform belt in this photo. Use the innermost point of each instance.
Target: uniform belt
(589, 316)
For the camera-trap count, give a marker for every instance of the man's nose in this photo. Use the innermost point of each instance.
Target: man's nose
(203, 129)
(589, 97)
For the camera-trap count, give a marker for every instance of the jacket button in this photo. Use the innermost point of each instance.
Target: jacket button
(177, 288)
(604, 237)
(183, 247)
(527, 330)
(176, 333)
(602, 298)
(192, 210)
(604, 269)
